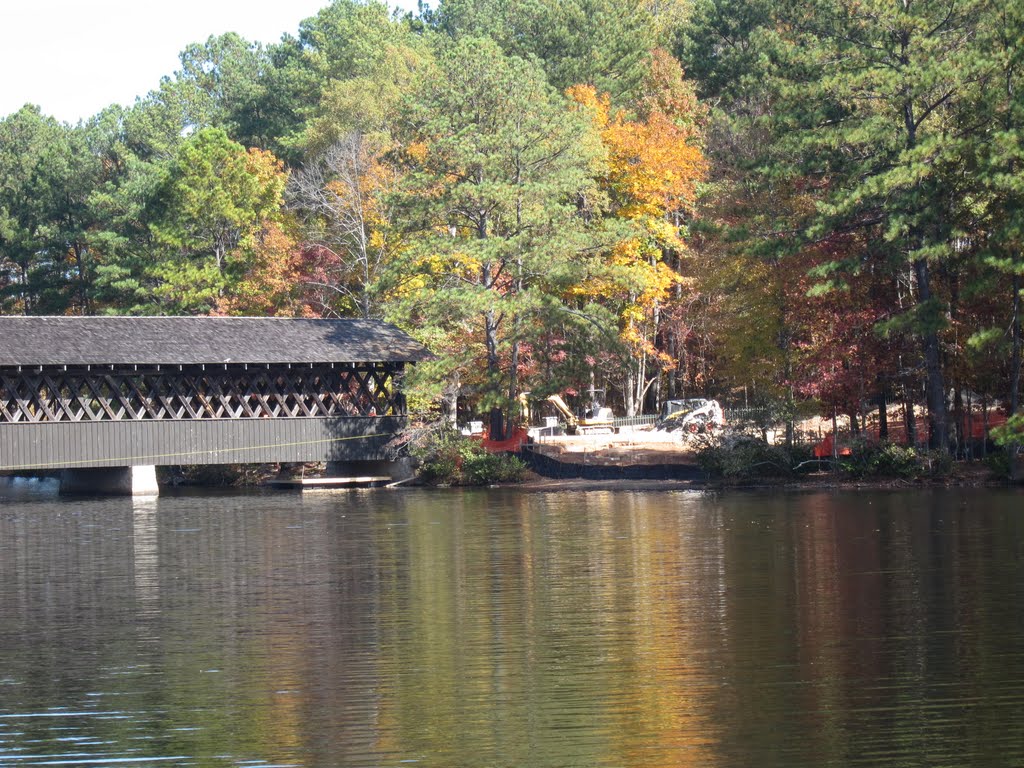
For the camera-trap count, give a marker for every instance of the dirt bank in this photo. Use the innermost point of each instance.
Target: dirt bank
(623, 449)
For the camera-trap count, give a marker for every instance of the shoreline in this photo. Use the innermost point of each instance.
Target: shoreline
(977, 477)
(547, 485)
(571, 476)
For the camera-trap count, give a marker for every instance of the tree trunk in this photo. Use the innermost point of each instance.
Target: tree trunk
(883, 417)
(497, 431)
(513, 392)
(969, 436)
(673, 350)
(641, 380)
(629, 391)
(984, 426)
(81, 268)
(935, 388)
(956, 430)
(652, 397)
(652, 400)
(496, 427)
(935, 394)
(909, 416)
(785, 344)
(835, 441)
(1015, 360)
(450, 400)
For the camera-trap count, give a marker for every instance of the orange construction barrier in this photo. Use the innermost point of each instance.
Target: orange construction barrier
(823, 450)
(511, 445)
(898, 432)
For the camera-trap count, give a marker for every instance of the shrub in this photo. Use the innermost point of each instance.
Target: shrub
(448, 458)
(440, 457)
(895, 461)
(748, 458)
(745, 458)
(1000, 465)
(936, 464)
(483, 468)
(1010, 437)
(881, 460)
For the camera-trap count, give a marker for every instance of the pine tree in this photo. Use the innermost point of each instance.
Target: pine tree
(498, 169)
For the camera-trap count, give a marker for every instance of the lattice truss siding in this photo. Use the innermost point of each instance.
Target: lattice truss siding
(197, 392)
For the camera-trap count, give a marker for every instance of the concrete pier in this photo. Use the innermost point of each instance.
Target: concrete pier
(110, 481)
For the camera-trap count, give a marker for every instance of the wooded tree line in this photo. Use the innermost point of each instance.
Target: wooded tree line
(810, 205)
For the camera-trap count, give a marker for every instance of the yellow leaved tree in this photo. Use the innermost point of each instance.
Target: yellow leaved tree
(651, 177)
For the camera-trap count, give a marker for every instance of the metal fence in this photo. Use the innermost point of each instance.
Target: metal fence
(746, 414)
(634, 421)
(732, 416)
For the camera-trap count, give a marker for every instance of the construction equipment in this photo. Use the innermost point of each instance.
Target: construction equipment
(693, 416)
(595, 421)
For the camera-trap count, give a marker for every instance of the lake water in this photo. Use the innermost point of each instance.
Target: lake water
(518, 628)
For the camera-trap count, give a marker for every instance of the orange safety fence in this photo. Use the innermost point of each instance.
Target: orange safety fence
(510, 445)
(977, 426)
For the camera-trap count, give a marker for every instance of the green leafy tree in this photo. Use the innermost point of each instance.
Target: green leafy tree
(223, 83)
(604, 43)
(366, 104)
(498, 169)
(215, 200)
(727, 48)
(47, 171)
(855, 131)
(744, 325)
(997, 146)
(341, 72)
(121, 203)
(874, 95)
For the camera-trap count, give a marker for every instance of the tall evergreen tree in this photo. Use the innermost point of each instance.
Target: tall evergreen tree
(215, 201)
(996, 144)
(498, 169)
(874, 95)
(603, 43)
(47, 173)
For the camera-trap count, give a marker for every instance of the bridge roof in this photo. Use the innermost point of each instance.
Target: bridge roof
(76, 341)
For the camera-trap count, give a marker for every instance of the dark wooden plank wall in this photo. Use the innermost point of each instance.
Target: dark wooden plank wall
(64, 445)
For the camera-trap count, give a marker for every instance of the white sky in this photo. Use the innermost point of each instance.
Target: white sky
(74, 57)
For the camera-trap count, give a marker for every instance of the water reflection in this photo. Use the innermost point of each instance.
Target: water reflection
(510, 628)
(145, 557)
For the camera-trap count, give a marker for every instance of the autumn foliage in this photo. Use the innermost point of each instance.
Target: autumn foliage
(822, 213)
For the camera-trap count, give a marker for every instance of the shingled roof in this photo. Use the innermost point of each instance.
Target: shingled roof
(75, 341)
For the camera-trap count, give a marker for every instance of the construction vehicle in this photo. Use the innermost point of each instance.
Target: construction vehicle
(693, 416)
(595, 420)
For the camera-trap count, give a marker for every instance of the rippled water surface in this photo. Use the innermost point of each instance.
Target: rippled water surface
(513, 628)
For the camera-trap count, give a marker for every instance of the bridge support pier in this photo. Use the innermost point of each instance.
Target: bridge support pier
(396, 470)
(110, 481)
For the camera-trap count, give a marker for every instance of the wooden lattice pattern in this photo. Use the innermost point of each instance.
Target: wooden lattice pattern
(234, 392)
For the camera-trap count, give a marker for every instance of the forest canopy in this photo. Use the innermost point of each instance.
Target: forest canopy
(810, 206)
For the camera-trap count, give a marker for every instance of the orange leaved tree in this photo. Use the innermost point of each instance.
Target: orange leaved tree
(653, 168)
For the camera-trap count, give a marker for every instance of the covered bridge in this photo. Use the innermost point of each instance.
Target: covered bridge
(84, 393)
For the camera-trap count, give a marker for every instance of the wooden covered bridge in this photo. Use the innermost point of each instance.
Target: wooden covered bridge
(107, 399)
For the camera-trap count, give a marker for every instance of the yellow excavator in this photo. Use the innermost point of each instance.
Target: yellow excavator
(596, 421)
